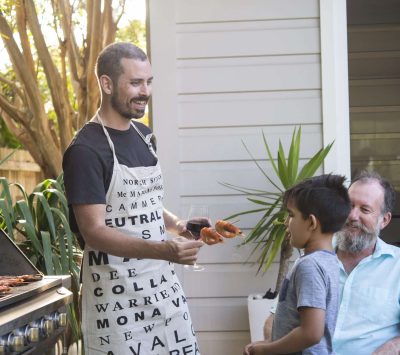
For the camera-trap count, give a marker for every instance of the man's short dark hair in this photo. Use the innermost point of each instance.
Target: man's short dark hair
(109, 60)
(388, 189)
(323, 196)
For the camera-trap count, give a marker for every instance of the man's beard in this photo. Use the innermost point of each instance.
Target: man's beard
(354, 241)
(121, 109)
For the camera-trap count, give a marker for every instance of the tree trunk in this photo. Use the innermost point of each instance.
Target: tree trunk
(286, 253)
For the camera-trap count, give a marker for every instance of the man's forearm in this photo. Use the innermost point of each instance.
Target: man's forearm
(391, 347)
(172, 223)
(99, 236)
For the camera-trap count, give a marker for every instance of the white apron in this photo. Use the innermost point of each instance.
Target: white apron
(132, 306)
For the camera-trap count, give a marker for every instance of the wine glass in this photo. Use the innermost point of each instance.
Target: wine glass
(198, 218)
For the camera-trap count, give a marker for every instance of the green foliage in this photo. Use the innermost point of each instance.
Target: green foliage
(269, 232)
(39, 225)
(134, 32)
(7, 139)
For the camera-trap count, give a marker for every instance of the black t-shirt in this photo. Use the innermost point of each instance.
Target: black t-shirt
(88, 162)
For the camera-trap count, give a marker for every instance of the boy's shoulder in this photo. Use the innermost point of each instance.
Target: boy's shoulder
(318, 260)
(318, 255)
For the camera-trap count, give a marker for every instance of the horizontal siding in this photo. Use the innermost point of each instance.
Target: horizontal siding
(205, 179)
(188, 11)
(249, 74)
(231, 39)
(213, 314)
(225, 143)
(231, 251)
(250, 109)
(227, 280)
(223, 343)
(240, 68)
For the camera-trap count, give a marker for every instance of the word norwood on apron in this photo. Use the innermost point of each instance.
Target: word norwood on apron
(134, 306)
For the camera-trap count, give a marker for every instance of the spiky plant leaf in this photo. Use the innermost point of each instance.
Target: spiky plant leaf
(269, 231)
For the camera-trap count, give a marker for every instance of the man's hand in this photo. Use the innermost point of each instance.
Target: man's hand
(256, 348)
(182, 251)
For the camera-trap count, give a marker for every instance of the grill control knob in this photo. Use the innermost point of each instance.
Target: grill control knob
(3, 345)
(37, 332)
(60, 319)
(16, 342)
(48, 327)
(32, 334)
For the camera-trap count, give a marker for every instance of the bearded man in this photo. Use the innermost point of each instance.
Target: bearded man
(369, 315)
(132, 301)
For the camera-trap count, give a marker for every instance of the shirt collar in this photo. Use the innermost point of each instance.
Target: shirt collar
(382, 248)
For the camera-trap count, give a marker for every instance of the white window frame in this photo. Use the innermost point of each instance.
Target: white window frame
(335, 86)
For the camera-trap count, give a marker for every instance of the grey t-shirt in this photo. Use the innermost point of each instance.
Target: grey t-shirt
(312, 282)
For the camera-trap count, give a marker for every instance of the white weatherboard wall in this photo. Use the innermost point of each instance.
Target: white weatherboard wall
(226, 70)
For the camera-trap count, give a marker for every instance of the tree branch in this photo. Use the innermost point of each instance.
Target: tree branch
(25, 44)
(122, 7)
(18, 61)
(109, 26)
(13, 86)
(58, 91)
(11, 110)
(15, 130)
(65, 17)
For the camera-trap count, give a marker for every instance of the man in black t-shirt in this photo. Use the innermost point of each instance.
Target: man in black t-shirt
(132, 301)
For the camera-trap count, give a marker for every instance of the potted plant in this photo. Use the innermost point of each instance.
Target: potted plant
(269, 235)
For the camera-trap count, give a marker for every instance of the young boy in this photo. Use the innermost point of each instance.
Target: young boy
(306, 314)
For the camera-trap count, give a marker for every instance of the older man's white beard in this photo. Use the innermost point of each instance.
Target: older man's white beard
(355, 242)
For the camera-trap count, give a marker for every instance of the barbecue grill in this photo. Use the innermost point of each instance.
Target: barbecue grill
(32, 315)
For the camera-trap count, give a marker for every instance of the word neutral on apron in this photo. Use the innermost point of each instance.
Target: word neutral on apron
(132, 306)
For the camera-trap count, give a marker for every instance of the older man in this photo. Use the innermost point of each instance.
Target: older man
(369, 315)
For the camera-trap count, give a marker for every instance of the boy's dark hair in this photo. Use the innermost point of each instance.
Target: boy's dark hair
(109, 60)
(323, 196)
(388, 189)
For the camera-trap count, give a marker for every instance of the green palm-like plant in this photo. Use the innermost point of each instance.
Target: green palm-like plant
(269, 234)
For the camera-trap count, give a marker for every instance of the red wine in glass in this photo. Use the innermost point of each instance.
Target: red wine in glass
(195, 226)
(198, 218)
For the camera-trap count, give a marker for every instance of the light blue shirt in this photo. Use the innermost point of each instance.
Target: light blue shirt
(369, 313)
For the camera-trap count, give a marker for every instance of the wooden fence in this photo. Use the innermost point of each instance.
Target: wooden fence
(20, 168)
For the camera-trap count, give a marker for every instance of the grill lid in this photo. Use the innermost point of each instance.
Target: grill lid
(12, 260)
